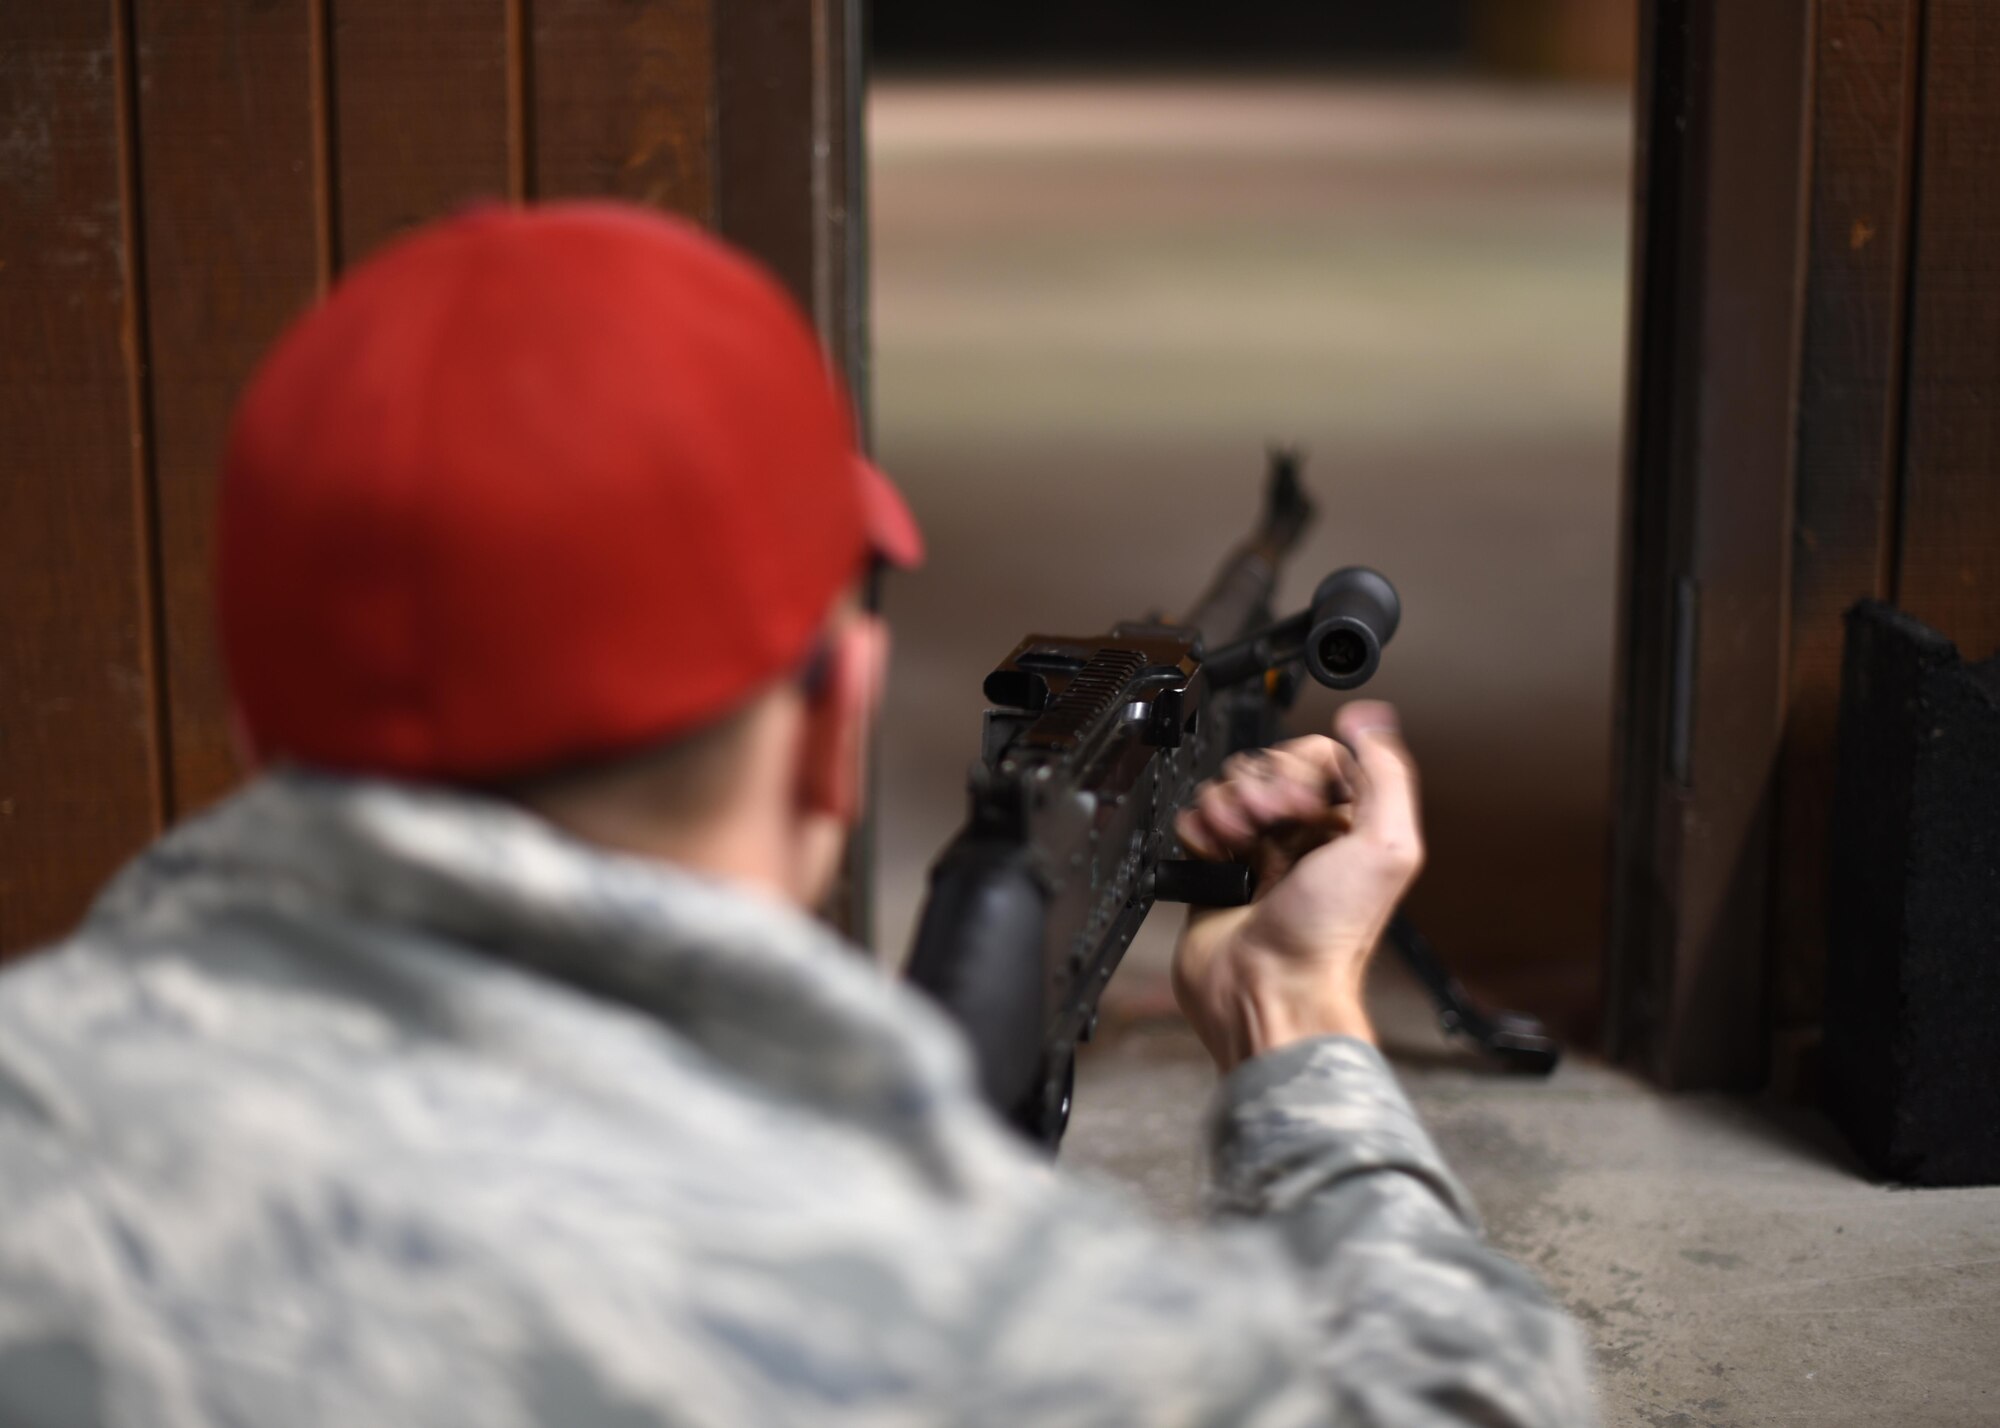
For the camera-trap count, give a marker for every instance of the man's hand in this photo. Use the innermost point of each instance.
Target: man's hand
(1330, 825)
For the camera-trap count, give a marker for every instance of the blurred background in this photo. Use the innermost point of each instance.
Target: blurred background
(1122, 246)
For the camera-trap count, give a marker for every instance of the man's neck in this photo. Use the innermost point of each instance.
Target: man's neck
(731, 850)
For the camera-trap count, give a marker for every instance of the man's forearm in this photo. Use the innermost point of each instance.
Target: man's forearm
(1421, 1322)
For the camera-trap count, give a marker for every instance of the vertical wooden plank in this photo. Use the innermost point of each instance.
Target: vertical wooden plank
(1667, 131)
(769, 138)
(789, 163)
(624, 102)
(1708, 525)
(79, 765)
(520, 100)
(1948, 565)
(1715, 1032)
(422, 124)
(1849, 433)
(232, 231)
(844, 48)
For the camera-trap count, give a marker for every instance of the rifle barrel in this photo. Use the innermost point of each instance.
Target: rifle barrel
(1238, 599)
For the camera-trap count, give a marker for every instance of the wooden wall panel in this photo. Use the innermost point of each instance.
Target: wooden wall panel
(624, 102)
(1948, 565)
(1741, 454)
(236, 245)
(1708, 525)
(767, 108)
(843, 301)
(423, 122)
(79, 768)
(1891, 485)
(790, 161)
(1849, 436)
(178, 179)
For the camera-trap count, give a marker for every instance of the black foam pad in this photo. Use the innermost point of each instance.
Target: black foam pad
(1913, 955)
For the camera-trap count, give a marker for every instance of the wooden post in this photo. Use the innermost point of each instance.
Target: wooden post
(1851, 375)
(1948, 515)
(1707, 534)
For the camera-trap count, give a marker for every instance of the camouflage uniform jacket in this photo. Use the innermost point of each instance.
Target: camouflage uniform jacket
(356, 1104)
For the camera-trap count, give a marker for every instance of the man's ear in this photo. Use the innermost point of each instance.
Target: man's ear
(833, 770)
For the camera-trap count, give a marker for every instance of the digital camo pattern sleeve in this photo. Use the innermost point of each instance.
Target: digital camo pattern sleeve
(1417, 1320)
(1343, 1283)
(303, 1129)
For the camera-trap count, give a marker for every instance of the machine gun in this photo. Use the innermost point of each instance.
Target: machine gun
(1092, 745)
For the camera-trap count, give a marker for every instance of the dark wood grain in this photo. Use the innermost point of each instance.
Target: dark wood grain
(623, 102)
(790, 165)
(1948, 558)
(225, 160)
(846, 305)
(1707, 527)
(770, 125)
(1849, 438)
(232, 253)
(1741, 451)
(79, 765)
(421, 117)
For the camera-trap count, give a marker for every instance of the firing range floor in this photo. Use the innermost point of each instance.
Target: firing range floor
(1729, 1263)
(1094, 304)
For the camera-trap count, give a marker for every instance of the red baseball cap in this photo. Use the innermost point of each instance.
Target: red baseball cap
(534, 486)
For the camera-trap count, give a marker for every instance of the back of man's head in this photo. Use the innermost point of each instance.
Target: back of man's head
(537, 492)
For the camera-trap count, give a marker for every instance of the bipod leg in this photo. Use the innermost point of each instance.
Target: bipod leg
(1517, 1041)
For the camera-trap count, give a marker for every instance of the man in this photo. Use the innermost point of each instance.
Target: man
(479, 1062)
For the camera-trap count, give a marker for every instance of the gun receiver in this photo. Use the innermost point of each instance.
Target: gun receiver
(1092, 745)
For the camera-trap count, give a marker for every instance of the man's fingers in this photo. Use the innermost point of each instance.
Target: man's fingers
(1192, 830)
(1299, 782)
(1296, 782)
(1324, 764)
(1386, 813)
(1270, 790)
(1229, 827)
(1212, 826)
(1303, 775)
